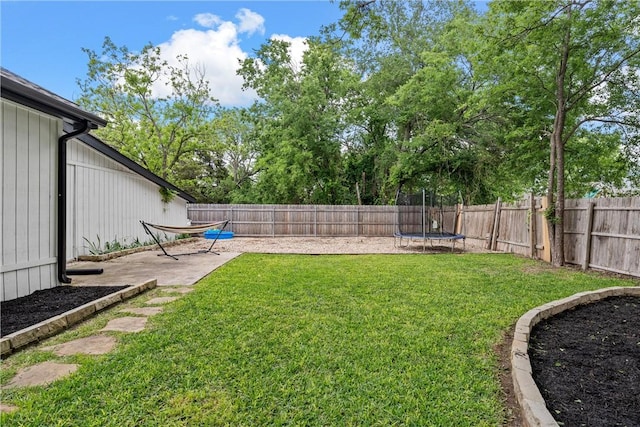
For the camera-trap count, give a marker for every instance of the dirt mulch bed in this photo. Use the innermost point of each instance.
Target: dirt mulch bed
(586, 363)
(23, 312)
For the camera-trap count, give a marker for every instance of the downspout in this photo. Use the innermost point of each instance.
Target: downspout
(62, 200)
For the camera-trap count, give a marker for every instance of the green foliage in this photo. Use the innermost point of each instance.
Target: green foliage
(299, 122)
(167, 194)
(97, 248)
(157, 112)
(337, 340)
(395, 95)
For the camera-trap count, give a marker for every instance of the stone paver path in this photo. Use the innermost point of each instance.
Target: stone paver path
(47, 372)
(183, 290)
(126, 324)
(95, 344)
(8, 408)
(41, 374)
(161, 300)
(143, 311)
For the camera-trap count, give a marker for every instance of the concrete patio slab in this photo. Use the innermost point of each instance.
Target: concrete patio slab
(126, 324)
(41, 374)
(142, 266)
(95, 344)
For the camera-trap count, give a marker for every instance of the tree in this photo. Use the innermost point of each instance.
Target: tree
(162, 132)
(237, 141)
(571, 66)
(299, 120)
(415, 58)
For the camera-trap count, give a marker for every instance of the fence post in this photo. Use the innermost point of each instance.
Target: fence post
(587, 236)
(532, 226)
(493, 242)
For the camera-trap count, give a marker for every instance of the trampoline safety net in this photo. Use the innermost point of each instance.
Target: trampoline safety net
(421, 216)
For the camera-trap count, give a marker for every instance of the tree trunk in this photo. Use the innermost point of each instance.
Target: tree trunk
(557, 252)
(551, 189)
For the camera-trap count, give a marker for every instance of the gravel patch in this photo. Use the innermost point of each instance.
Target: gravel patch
(328, 245)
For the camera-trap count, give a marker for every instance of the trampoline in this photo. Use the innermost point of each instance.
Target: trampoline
(426, 222)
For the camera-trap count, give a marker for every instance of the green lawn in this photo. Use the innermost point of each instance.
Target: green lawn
(312, 340)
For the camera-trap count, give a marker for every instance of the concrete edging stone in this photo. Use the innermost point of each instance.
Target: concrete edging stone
(534, 409)
(118, 254)
(57, 324)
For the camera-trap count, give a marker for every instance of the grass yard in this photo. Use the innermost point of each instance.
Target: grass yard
(342, 340)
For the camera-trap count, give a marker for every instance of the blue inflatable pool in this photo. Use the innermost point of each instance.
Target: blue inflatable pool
(221, 235)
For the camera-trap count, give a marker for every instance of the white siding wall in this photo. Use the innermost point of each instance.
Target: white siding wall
(105, 200)
(28, 149)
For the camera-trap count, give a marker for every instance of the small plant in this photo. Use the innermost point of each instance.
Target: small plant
(550, 215)
(167, 195)
(96, 248)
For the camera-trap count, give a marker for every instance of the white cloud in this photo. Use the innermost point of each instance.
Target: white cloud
(217, 51)
(207, 20)
(250, 22)
(297, 47)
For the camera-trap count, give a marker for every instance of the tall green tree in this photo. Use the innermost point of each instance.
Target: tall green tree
(300, 121)
(569, 68)
(416, 65)
(163, 132)
(237, 141)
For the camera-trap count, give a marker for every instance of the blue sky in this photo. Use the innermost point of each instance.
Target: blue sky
(42, 41)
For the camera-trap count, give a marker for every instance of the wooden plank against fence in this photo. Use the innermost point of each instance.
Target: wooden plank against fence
(587, 236)
(532, 226)
(493, 242)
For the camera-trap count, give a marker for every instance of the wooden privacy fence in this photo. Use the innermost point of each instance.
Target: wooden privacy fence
(299, 220)
(599, 233)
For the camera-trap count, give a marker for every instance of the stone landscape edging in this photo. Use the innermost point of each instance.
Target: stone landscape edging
(117, 254)
(56, 324)
(532, 405)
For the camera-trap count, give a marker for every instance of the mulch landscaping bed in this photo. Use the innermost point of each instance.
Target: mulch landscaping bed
(586, 363)
(26, 311)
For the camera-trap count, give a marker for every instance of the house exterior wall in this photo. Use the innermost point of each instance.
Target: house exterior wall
(28, 158)
(106, 201)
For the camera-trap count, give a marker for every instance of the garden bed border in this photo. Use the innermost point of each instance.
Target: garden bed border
(54, 325)
(528, 396)
(117, 254)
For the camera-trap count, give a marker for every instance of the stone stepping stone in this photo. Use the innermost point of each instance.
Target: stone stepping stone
(126, 324)
(181, 290)
(143, 311)
(41, 374)
(96, 344)
(161, 300)
(7, 409)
